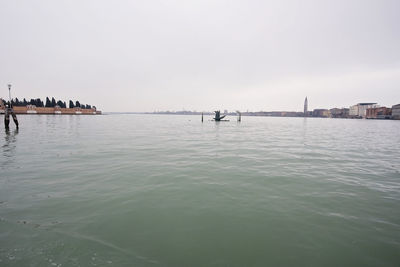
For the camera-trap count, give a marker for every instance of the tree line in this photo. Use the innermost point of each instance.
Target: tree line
(49, 103)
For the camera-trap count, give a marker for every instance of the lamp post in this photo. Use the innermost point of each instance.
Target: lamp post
(9, 93)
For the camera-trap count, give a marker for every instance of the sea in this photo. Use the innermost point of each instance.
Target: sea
(170, 190)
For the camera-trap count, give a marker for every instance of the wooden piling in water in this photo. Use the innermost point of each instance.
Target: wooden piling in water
(6, 119)
(9, 110)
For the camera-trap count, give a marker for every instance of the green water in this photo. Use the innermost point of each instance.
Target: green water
(147, 190)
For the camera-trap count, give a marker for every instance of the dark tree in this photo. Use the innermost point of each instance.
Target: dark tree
(53, 102)
(48, 103)
(39, 103)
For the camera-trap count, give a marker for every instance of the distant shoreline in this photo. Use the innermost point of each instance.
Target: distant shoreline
(246, 114)
(33, 110)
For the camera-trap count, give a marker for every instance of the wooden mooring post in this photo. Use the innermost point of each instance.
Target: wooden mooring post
(239, 119)
(9, 110)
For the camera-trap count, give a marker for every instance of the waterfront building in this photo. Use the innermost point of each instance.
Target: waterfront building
(31, 109)
(324, 113)
(379, 113)
(360, 110)
(353, 111)
(305, 107)
(339, 113)
(396, 112)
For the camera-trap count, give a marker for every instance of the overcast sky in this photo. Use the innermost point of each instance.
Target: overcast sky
(202, 54)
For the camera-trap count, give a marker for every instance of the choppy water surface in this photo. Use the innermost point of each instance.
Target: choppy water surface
(147, 190)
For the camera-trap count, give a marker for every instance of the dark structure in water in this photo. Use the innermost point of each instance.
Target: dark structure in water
(9, 110)
(218, 116)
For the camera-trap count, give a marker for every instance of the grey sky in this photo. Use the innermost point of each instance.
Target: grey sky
(202, 55)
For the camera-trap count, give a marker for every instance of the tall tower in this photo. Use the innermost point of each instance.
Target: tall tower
(305, 107)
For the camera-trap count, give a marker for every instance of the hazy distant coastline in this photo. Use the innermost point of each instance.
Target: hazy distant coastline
(343, 113)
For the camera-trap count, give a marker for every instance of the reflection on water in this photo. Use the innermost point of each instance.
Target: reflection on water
(305, 131)
(10, 142)
(8, 148)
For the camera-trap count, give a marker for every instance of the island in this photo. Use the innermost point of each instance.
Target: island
(36, 106)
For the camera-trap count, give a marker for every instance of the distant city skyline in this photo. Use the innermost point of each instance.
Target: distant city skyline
(143, 56)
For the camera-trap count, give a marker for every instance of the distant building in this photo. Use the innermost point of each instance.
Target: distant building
(305, 107)
(353, 111)
(339, 112)
(360, 110)
(396, 112)
(379, 113)
(324, 113)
